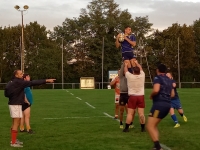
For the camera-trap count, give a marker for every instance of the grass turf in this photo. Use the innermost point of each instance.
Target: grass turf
(62, 121)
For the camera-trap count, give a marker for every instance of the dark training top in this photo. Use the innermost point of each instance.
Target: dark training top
(164, 95)
(176, 93)
(15, 90)
(126, 46)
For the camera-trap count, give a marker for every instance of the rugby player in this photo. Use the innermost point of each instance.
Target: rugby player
(127, 46)
(161, 96)
(116, 83)
(135, 83)
(176, 104)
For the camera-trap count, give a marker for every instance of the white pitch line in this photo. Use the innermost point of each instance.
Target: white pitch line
(90, 105)
(51, 118)
(67, 91)
(79, 98)
(165, 147)
(75, 117)
(71, 93)
(110, 116)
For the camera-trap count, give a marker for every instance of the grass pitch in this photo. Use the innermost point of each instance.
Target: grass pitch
(75, 120)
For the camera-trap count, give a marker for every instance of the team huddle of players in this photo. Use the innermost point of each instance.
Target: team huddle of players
(129, 91)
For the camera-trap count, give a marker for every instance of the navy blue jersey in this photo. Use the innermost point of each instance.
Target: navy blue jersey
(176, 93)
(126, 46)
(164, 95)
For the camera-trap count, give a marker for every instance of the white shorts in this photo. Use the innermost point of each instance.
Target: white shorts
(15, 111)
(117, 99)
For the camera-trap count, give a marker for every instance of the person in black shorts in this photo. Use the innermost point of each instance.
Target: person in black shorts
(161, 96)
(26, 107)
(123, 98)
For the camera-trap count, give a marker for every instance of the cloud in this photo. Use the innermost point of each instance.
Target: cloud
(50, 13)
(163, 13)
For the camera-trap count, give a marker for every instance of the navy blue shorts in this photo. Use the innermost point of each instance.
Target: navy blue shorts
(128, 55)
(176, 104)
(123, 99)
(159, 111)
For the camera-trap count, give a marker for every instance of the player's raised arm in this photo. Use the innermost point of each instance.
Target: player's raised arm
(117, 44)
(131, 41)
(138, 65)
(125, 67)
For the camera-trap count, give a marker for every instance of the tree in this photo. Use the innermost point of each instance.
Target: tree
(165, 50)
(9, 52)
(102, 19)
(196, 29)
(43, 56)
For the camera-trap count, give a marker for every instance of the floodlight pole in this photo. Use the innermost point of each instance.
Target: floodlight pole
(179, 80)
(62, 62)
(22, 36)
(102, 61)
(22, 50)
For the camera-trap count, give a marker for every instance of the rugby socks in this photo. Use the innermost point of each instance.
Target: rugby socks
(130, 70)
(28, 128)
(142, 127)
(131, 123)
(21, 127)
(14, 136)
(181, 114)
(127, 126)
(121, 123)
(174, 118)
(157, 145)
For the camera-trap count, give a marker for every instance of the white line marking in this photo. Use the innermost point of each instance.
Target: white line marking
(71, 93)
(67, 91)
(75, 117)
(110, 116)
(51, 118)
(90, 105)
(165, 147)
(79, 98)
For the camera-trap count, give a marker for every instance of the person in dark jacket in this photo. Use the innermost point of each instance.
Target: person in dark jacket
(14, 90)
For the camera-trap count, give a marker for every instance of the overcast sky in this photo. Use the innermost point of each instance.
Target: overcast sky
(50, 13)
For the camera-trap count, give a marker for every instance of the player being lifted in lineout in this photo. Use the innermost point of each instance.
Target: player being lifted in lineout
(127, 41)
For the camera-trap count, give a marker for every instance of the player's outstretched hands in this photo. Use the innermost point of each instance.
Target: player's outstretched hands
(117, 36)
(50, 80)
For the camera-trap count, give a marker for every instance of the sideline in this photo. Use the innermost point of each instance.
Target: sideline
(90, 105)
(79, 98)
(165, 147)
(111, 116)
(75, 117)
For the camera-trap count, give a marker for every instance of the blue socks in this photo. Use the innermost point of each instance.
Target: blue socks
(174, 118)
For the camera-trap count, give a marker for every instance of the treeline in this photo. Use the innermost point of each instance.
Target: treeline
(83, 38)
